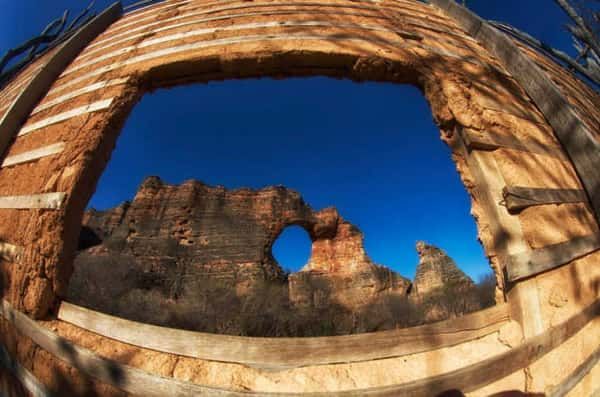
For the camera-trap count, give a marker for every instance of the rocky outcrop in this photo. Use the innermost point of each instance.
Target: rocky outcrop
(437, 270)
(199, 257)
(171, 239)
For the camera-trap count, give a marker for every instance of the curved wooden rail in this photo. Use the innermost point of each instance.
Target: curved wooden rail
(141, 383)
(275, 353)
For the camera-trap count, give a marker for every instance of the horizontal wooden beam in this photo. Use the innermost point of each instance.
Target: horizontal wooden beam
(59, 118)
(42, 201)
(137, 382)
(27, 379)
(517, 198)
(33, 155)
(10, 252)
(277, 353)
(76, 93)
(41, 82)
(576, 376)
(489, 142)
(530, 263)
(257, 39)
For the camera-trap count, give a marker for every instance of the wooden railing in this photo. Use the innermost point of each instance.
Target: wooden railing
(469, 378)
(277, 353)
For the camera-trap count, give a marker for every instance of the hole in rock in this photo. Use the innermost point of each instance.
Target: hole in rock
(204, 175)
(292, 248)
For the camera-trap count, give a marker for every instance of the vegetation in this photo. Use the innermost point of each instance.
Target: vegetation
(211, 304)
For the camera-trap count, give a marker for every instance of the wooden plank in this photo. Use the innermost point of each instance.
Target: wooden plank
(123, 377)
(228, 17)
(577, 140)
(27, 379)
(43, 201)
(488, 142)
(39, 85)
(256, 38)
(576, 376)
(489, 182)
(137, 382)
(59, 118)
(75, 93)
(10, 252)
(126, 34)
(530, 263)
(33, 155)
(180, 36)
(277, 353)
(517, 198)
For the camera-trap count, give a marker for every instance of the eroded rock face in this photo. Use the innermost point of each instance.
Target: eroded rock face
(199, 257)
(437, 270)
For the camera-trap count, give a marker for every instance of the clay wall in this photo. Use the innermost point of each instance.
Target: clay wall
(498, 136)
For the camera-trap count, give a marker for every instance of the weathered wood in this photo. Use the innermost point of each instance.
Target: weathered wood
(27, 379)
(579, 143)
(141, 383)
(43, 200)
(143, 32)
(41, 82)
(75, 93)
(126, 34)
(32, 155)
(10, 252)
(257, 38)
(530, 263)
(517, 198)
(489, 142)
(275, 353)
(576, 376)
(507, 229)
(180, 36)
(59, 118)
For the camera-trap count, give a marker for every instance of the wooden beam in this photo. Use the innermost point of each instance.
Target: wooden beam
(577, 140)
(10, 252)
(42, 201)
(257, 39)
(33, 155)
(489, 142)
(576, 376)
(278, 353)
(39, 85)
(137, 382)
(59, 118)
(530, 263)
(517, 198)
(27, 379)
(129, 37)
(75, 93)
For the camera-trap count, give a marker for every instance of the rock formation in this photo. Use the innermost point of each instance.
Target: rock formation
(179, 254)
(437, 270)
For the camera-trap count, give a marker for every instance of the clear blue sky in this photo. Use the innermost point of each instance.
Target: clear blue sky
(371, 150)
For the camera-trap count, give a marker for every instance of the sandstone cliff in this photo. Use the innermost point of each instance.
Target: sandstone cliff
(199, 257)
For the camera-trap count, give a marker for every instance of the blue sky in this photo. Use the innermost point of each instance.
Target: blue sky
(370, 149)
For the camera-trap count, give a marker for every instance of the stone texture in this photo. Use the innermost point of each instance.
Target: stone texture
(437, 270)
(180, 252)
(172, 241)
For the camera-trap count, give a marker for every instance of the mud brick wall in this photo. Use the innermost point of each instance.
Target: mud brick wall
(498, 136)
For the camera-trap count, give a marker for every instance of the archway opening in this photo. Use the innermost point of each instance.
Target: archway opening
(360, 166)
(292, 248)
